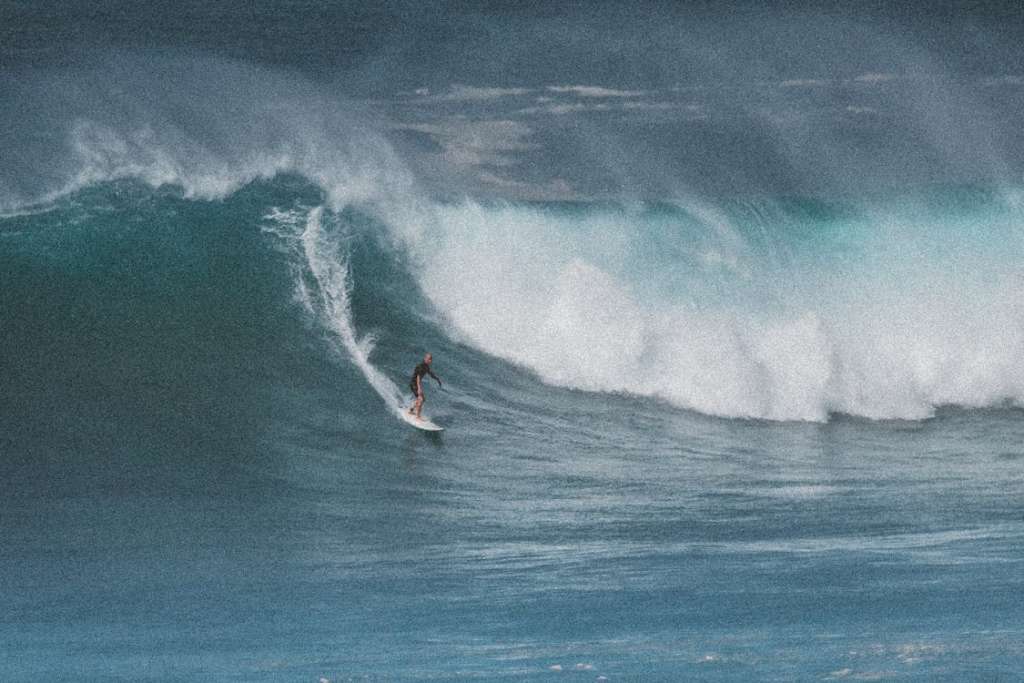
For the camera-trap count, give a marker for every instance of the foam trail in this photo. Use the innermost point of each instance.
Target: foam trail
(332, 303)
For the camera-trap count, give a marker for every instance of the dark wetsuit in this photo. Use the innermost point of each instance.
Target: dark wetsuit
(421, 370)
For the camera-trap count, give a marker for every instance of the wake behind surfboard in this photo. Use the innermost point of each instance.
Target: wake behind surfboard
(421, 422)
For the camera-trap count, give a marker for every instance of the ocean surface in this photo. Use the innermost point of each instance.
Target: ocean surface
(717, 433)
(204, 478)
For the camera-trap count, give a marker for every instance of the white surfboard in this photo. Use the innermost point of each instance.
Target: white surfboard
(421, 422)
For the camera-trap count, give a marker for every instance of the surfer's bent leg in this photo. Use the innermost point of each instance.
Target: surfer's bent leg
(417, 405)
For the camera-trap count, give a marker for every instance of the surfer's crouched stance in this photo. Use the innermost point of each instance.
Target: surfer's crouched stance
(416, 384)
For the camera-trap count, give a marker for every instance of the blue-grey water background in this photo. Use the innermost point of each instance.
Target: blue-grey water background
(731, 338)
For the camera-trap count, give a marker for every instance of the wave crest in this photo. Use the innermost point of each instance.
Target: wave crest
(209, 126)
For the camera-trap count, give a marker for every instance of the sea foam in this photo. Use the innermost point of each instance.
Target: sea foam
(888, 327)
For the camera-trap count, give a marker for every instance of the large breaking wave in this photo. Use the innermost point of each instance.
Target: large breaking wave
(781, 309)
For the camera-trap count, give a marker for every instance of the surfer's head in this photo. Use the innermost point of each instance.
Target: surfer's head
(428, 359)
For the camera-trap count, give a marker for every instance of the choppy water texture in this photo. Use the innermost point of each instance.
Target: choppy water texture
(768, 427)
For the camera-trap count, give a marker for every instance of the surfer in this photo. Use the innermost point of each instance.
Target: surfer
(416, 384)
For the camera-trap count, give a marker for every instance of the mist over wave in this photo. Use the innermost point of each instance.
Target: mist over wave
(208, 125)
